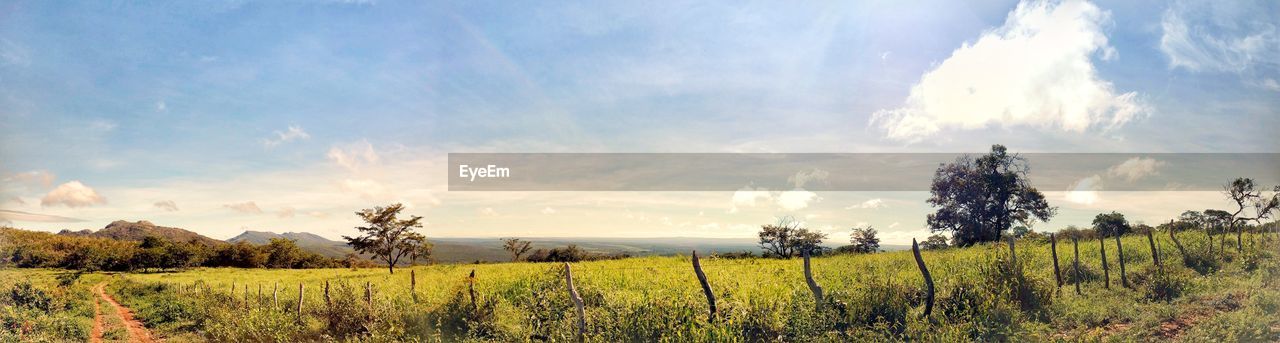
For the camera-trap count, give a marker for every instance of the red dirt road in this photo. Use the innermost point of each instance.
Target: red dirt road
(137, 332)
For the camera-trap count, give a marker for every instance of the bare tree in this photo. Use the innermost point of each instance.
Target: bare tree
(516, 247)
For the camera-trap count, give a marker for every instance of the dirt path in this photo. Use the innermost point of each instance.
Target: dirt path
(96, 335)
(137, 332)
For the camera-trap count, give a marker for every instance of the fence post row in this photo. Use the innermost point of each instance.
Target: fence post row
(577, 302)
(928, 280)
(1053, 247)
(706, 287)
(1075, 256)
(813, 285)
(1124, 279)
(1155, 254)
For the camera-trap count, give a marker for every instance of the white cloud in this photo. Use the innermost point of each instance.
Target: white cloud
(488, 211)
(548, 211)
(72, 194)
(747, 196)
(161, 106)
(1136, 168)
(1036, 70)
(291, 134)
(12, 216)
(167, 205)
(245, 207)
(1084, 191)
(353, 156)
(869, 204)
(1220, 36)
(802, 177)
(797, 199)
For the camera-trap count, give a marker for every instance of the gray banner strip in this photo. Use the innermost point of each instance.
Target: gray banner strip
(842, 172)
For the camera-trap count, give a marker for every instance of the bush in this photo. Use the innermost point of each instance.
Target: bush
(1159, 284)
(26, 295)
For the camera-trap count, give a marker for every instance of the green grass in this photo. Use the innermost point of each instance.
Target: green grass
(876, 297)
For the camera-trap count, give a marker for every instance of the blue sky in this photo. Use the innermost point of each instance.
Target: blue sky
(311, 110)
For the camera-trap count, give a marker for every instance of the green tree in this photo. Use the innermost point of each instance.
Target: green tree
(282, 253)
(1111, 224)
(980, 198)
(788, 238)
(389, 238)
(864, 240)
(934, 242)
(516, 247)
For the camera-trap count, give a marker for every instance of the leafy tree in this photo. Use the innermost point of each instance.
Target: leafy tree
(282, 253)
(787, 238)
(516, 247)
(864, 240)
(241, 254)
(979, 198)
(1021, 230)
(1216, 221)
(389, 238)
(934, 242)
(1111, 224)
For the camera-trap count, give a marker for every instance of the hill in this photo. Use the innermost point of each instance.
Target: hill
(137, 231)
(307, 241)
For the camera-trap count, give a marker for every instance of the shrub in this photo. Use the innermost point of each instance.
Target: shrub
(1159, 284)
(26, 295)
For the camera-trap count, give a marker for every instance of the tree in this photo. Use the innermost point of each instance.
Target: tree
(934, 242)
(864, 239)
(1111, 224)
(979, 198)
(389, 238)
(516, 247)
(282, 253)
(1021, 230)
(787, 238)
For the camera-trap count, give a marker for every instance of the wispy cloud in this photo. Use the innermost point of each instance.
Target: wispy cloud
(167, 205)
(13, 216)
(869, 204)
(290, 134)
(248, 207)
(353, 156)
(1136, 168)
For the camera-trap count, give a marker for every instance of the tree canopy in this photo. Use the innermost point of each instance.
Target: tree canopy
(788, 238)
(1111, 224)
(389, 238)
(979, 198)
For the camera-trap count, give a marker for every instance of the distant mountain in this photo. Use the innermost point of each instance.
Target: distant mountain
(307, 241)
(137, 231)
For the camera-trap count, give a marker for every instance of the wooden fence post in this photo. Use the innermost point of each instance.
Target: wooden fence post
(1124, 279)
(275, 295)
(368, 299)
(1075, 243)
(1178, 244)
(577, 302)
(300, 300)
(413, 285)
(1209, 232)
(1155, 254)
(928, 280)
(1239, 237)
(1013, 255)
(328, 301)
(706, 287)
(808, 278)
(471, 288)
(259, 300)
(1106, 272)
(1053, 247)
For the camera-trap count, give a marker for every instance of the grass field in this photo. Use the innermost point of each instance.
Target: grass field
(877, 297)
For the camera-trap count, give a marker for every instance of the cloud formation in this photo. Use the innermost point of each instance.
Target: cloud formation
(1220, 36)
(72, 194)
(12, 216)
(167, 205)
(353, 156)
(869, 204)
(40, 178)
(245, 207)
(291, 134)
(1036, 70)
(1135, 168)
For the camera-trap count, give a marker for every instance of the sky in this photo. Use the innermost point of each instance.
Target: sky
(225, 116)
